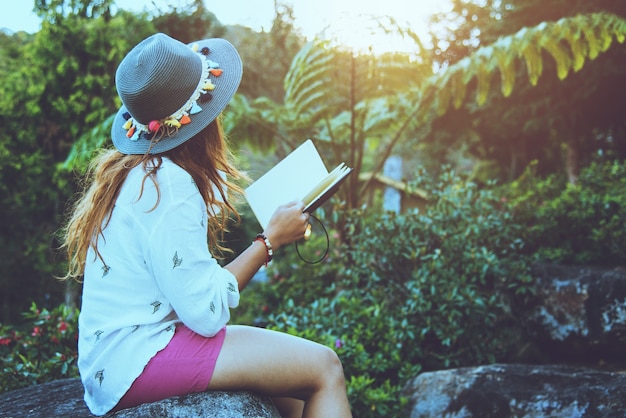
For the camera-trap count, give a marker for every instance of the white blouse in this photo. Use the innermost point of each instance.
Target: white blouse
(156, 271)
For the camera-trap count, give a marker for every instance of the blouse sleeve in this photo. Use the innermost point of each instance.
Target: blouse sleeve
(198, 288)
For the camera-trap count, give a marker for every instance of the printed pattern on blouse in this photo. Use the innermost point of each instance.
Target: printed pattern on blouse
(99, 376)
(156, 305)
(176, 260)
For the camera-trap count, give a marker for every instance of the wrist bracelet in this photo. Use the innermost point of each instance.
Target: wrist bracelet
(268, 247)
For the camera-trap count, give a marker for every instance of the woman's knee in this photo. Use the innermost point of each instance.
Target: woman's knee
(331, 369)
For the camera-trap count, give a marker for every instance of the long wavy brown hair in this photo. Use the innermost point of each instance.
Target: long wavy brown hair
(204, 156)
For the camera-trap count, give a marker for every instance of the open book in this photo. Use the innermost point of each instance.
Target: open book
(301, 175)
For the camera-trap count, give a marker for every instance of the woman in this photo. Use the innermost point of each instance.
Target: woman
(155, 302)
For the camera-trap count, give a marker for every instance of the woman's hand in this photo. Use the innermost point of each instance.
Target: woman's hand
(288, 224)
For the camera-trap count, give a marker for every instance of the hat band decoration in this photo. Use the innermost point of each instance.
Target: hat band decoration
(169, 125)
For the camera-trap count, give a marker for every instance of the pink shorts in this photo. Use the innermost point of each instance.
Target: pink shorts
(184, 366)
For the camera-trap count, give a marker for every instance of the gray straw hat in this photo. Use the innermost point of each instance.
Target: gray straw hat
(170, 91)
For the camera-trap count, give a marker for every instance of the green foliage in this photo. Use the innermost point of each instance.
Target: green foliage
(571, 42)
(362, 102)
(28, 200)
(344, 99)
(74, 61)
(57, 85)
(188, 22)
(553, 82)
(580, 223)
(89, 142)
(42, 349)
(409, 292)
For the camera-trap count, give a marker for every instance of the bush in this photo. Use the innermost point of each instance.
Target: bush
(580, 223)
(410, 292)
(41, 350)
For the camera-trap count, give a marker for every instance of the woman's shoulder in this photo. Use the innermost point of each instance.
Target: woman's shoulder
(175, 180)
(174, 171)
(173, 184)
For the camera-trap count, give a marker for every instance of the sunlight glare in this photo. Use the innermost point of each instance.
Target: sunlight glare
(363, 34)
(353, 23)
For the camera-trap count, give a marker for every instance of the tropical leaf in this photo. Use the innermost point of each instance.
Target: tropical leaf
(83, 149)
(308, 74)
(483, 77)
(569, 41)
(458, 89)
(506, 65)
(578, 47)
(558, 52)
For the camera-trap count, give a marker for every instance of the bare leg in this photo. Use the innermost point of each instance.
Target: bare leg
(289, 407)
(281, 365)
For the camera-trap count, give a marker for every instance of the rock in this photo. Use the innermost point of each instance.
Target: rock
(578, 312)
(206, 404)
(64, 398)
(513, 390)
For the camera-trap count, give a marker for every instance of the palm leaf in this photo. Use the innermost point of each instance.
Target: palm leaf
(570, 42)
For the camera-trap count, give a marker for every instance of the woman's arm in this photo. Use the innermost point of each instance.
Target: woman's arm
(287, 225)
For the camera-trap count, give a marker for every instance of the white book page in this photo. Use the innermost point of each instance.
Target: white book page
(291, 179)
(326, 184)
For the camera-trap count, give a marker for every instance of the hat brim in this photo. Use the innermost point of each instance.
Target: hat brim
(222, 52)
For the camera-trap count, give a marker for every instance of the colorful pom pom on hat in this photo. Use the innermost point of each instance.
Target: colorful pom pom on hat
(170, 91)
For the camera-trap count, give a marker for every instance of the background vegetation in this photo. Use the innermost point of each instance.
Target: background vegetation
(511, 124)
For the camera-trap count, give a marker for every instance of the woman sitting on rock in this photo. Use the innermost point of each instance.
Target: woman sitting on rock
(155, 302)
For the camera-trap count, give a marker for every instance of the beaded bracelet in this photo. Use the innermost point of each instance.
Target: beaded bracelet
(268, 247)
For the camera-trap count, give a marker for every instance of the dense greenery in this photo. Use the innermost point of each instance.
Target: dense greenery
(410, 292)
(529, 93)
(558, 124)
(580, 223)
(58, 83)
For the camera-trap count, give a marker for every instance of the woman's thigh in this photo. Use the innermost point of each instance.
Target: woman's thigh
(272, 363)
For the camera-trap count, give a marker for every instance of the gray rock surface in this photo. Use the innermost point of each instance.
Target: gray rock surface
(513, 390)
(64, 398)
(578, 313)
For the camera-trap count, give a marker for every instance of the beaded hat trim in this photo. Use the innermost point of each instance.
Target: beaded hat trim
(169, 125)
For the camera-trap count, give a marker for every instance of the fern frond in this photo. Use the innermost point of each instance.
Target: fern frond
(604, 34)
(457, 88)
(311, 66)
(569, 41)
(506, 65)
(561, 56)
(444, 94)
(534, 63)
(577, 45)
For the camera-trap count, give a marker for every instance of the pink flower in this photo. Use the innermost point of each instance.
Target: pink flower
(63, 326)
(36, 331)
(338, 343)
(5, 341)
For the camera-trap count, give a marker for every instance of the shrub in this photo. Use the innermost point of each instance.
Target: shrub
(43, 349)
(409, 292)
(580, 223)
